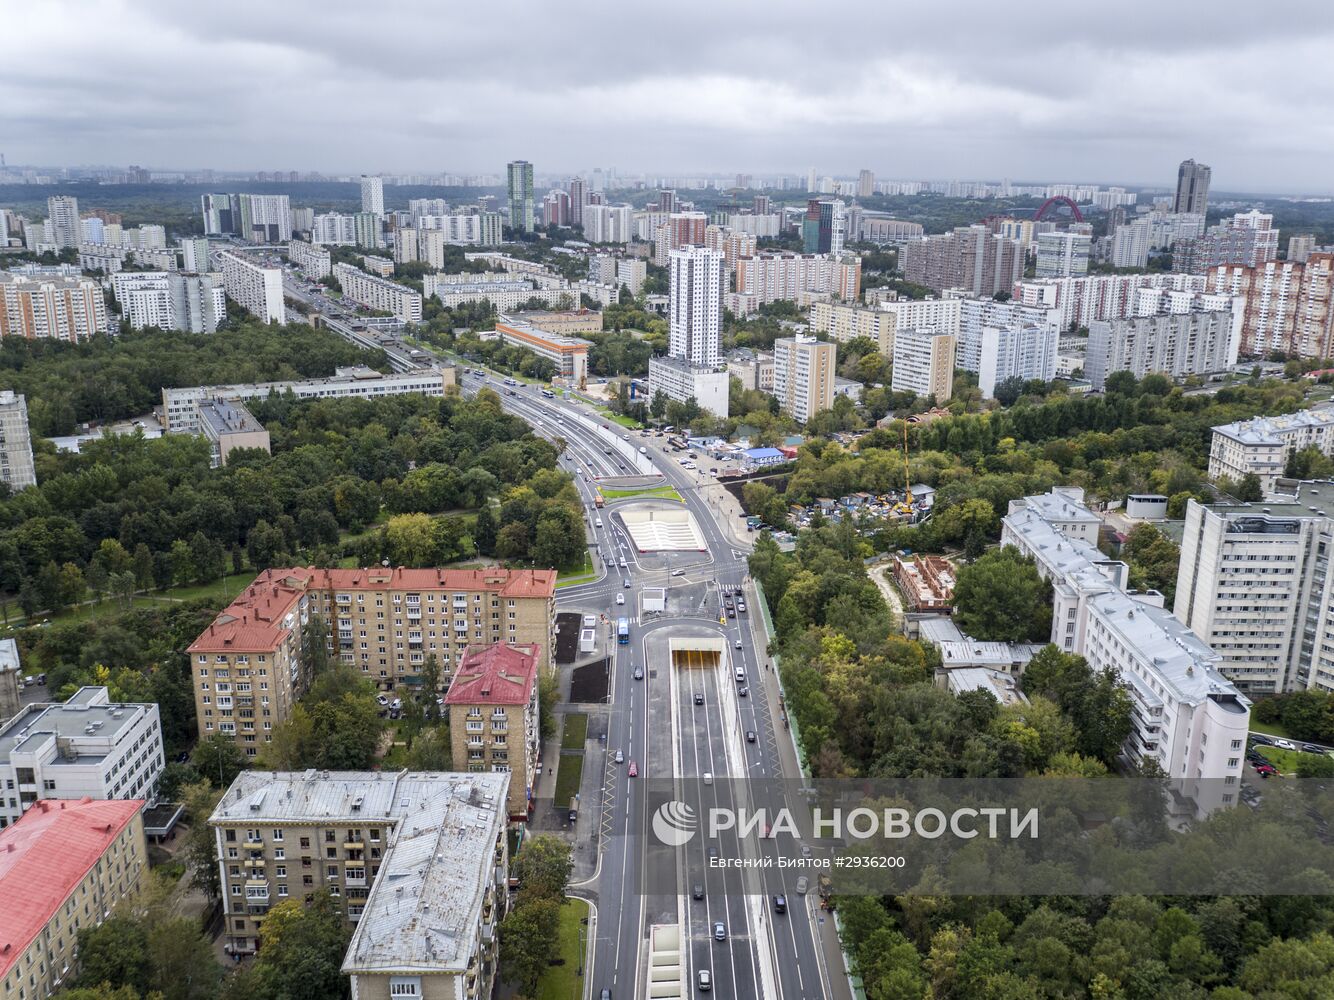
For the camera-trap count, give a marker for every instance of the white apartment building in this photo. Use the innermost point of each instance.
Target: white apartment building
(60, 308)
(366, 226)
(695, 310)
(1022, 351)
(263, 218)
(16, 465)
(1080, 301)
(772, 276)
(632, 272)
(678, 379)
(1199, 342)
(608, 223)
(1063, 254)
(1254, 583)
(315, 262)
(804, 376)
(180, 406)
(194, 254)
(1261, 445)
(63, 213)
(1189, 719)
(924, 363)
(372, 194)
(88, 745)
(419, 863)
(845, 322)
(976, 316)
(105, 257)
(334, 229)
(768, 224)
(170, 300)
(253, 286)
(379, 293)
(1130, 244)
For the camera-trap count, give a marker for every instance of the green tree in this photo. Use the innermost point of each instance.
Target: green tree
(658, 405)
(1249, 488)
(114, 952)
(543, 867)
(141, 565)
(183, 964)
(302, 953)
(527, 943)
(431, 751)
(484, 530)
(1001, 597)
(200, 852)
(218, 759)
(183, 568)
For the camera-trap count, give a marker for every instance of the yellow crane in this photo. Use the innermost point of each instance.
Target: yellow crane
(906, 506)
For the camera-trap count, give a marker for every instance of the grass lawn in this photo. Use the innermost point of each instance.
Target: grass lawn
(575, 733)
(661, 492)
(1271, 728)
(221, 591)
(582, 573)
(1284, 760)
(569, 776)
(562, 982)
(572, 581)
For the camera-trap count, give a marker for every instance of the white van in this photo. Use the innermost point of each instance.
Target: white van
(740, 676)
(598, 522)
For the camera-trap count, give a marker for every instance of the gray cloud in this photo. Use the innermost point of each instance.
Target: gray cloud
(957, 89)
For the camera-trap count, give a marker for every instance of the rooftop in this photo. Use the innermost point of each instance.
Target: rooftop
(1062, 504)
(44, 856)
(1000, 685)
(1270, 430)
(499, 674)
(512, 326)
(90, 723)
(422, 911)
(222, 416)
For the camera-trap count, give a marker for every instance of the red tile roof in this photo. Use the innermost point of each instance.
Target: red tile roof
(496, 675)
(253, 622)
(44, 856)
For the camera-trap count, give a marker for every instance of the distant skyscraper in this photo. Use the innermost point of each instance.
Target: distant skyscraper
(194, 253)
(865, 184)
(64, 213)
(521, 195)
(811, 180)
(372, 194)
(695, 305)
(1192, 188)
(578, 198)
(221, 214)
(822, 229)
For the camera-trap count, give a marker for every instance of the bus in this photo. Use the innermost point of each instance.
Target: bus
(548, 394)
(623, 631)
(676, 444)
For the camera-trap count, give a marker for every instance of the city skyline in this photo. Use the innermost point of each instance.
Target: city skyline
(939, 103)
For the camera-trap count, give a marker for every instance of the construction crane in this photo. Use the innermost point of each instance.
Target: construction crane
(906, 506)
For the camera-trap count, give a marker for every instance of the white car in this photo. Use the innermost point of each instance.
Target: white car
(620, 598)
(1285, 745)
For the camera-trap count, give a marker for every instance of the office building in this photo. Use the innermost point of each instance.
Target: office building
(568, 354)
(493, 717)
(16, 465)
(924, 363)
(315, 262)
(678, 379)
(379, 293)
(253, 286)
(382, 621)
(1063, 254)
(1188, 719)
(1300, 247)
(63, 214)
(58, 308)
(170, 300)
(334, 229)
(1248, 239)
(804, 376)
(227, 425)
(520, 175)
(1254, 583)
(608, 223)
(865, 184)
(1261, 446)
(372, 195)
(180, 406)
(1202, 341)
(88, 745)
(697, 284)
(1286, 305)
(970, 257)
(420, 930)
(801, 278)
(63, 869)
(822, 227)
(194, 254)
(1192, 193)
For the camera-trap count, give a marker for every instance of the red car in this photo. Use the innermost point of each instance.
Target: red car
(633, 770)
(1266, 769)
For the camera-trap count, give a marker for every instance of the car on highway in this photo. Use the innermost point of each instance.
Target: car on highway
(639, 673)
(742, 691)
(731, 612)
(737, 591)
(705, 980)
(620, 598)
(719, 931)
(605, 995)
(750, 736)
(626, 583)
(1312, 748)
(738, 644)
(620, 756)
(802, 886)
(678, 572)
(632, 770)
(623, 562)
(708, 777)
(697, 891)
(780, 903)
(741, 606)
(699, 698)
(598, 523)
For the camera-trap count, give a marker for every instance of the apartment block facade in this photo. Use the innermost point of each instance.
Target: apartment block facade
(253, 286)
(1287, 306)
(315, 262)
(16, 464)
(804, 376)
(59, 308)
(969, 257)
(1261, 446)
(924, 363)
(379, 293)
(384, 622)
(1200, 342)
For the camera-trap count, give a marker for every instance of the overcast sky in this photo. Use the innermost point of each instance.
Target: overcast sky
(1113, 92)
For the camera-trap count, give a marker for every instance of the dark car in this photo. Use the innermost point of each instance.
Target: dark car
(750, 736)
(697, 891)
(738, 591)
(731, 613)
(1312, 748)
(699, 699)
(743, 691)
(780, 903)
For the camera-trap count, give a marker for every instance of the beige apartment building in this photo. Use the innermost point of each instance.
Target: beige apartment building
(492, 704)
(844, 323)
(63, 868)
(383, 622)
(804, 375)
(417, 861)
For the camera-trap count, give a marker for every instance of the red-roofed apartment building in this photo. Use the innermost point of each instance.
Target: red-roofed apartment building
(493, 723)
(63, 866)
(384, 622)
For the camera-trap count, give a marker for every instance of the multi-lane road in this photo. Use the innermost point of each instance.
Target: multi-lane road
(656, 723)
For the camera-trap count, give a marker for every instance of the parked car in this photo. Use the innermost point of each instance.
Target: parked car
(1312, 748)
(1285, 744)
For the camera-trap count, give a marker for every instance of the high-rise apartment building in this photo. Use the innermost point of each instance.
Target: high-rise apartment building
(58, 308)
(1000, 340)
(263, 218)
(417, 861)
(578, 191)
(1248, 239)
(384, 622)
(1131, 244)
(1063, 254)
(315, 262)
(556, 208)
(1300, 247)
(1287, 306)
(804, 370)
(680, 229)
(220, 213)
(848, 322)
(1254, 582)
(1192, 188)
(366, 230)
(194, 254)
(334, 229)
(865, 184)
(253, 286)
(171, 300)
(970, 257)
(493, 718)
(372, 194)
(1081, 301)
(16, 466)
(1199, 340)
(63, 213)
(608, 223)
(695, 305)
(379, 293)
(771, 276)
(823, 227)
(924, 363)
(520, 174)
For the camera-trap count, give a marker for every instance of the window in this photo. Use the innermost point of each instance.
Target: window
(1236, 744)
(1233, 761)
(405, 986)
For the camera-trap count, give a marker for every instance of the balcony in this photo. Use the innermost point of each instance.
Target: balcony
(354, 844)
(254, 862)
(255, 841)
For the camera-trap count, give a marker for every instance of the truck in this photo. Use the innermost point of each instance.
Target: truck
(598, 499)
